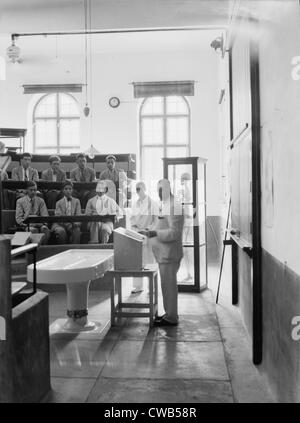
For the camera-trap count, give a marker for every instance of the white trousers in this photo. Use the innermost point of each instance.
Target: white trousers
(138, 283)
(101, 231)
(169, 288)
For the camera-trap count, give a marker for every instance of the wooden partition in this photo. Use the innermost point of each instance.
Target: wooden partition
(127, 162)
(24, 344)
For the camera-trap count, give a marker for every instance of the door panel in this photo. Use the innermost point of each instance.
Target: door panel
(187, 179)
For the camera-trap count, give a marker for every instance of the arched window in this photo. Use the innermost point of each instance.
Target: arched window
(164, 132)
(56, 124)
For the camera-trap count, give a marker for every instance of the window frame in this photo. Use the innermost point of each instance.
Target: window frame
(164, 116)
(56, 118)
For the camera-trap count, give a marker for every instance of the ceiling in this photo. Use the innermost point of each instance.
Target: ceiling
(128, 43)
(65, 15)
(18, 16)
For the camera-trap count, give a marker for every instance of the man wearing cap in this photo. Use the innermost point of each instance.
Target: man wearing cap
(68, 232)
(32, 205)
(53, 174)
(102, 205)
(117, 176)
(112, 172)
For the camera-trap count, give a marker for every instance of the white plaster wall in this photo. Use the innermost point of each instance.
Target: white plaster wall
(116, 130)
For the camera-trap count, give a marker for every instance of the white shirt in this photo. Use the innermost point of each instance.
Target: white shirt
(68, 207)
(143, 213)
(25, 173)
(106, 205)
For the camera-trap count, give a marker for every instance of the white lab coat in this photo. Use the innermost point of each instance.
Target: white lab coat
(142, 218)
(102, 205)
(167, 246)
(168, 252)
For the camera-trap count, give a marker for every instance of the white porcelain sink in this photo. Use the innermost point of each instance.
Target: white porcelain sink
(76, 269)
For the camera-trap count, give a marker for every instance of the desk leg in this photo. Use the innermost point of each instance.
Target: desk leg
(77, 308)
(112, 299)
(151, 299)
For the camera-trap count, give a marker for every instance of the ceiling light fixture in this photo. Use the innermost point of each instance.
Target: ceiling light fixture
(91, 152)
(13, 52)
(86, 109)
(219, 45)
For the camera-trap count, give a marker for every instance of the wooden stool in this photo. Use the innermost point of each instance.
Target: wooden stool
(116, 287)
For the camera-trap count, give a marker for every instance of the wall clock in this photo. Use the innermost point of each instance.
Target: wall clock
(114, 102)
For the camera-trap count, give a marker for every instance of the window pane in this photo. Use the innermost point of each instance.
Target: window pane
(177, 130)
(67, 106)
(47, 107)
(70, 150)
(177, 105)
(152, 131)
(177, 152)
(152, 167)
(180, 177)
(45, 133)
(45, 151)
(153, 106)
(69, 132)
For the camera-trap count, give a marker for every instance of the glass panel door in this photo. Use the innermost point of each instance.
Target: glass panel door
(187, 178)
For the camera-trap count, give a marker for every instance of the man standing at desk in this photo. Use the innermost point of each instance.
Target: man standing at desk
(167, 248)
(32, 205)
(83, 173)
(102, 205)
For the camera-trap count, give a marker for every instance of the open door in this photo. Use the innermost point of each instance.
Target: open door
(245, 161)
(188, 183)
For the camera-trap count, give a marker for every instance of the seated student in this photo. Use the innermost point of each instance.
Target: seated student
(32, 205)
(67, 232)
(7, 194)
(102, 205)
(112, 172)
(117, 176)
(24, 172)
(83, 173)
(53, 174)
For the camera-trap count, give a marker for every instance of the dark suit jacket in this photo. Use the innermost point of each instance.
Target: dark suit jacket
(89, 175)
(17, 174)
(47, 175)
(61, 210)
